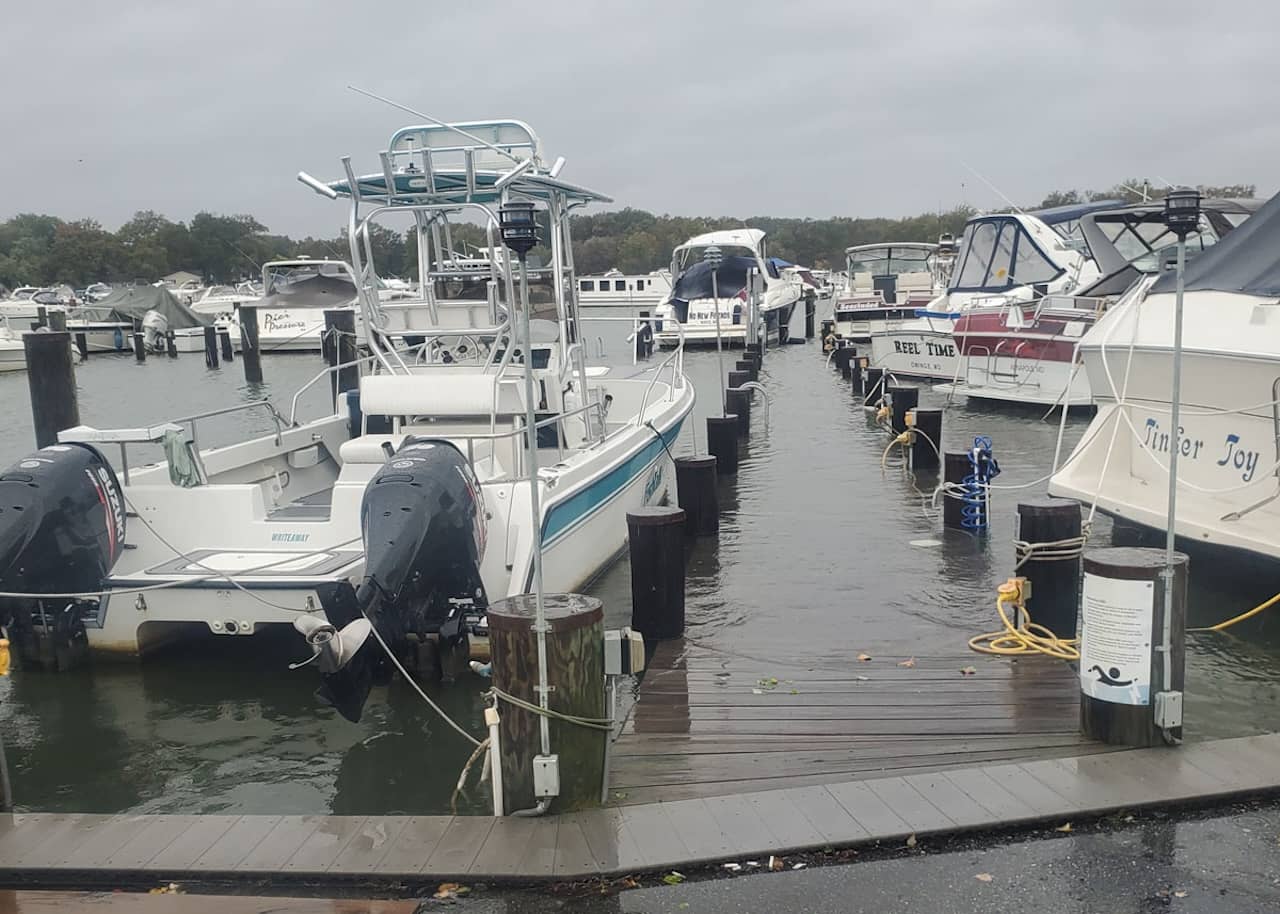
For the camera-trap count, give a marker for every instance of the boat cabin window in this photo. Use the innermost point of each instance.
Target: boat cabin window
(890, 261)
(998, 254)
(619, 285)
(639, 285)
(1144, 242)
(588, 285)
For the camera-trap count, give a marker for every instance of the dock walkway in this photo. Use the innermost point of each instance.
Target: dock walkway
(711, 723)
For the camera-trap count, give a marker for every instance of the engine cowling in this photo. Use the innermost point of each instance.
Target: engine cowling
(423, 524)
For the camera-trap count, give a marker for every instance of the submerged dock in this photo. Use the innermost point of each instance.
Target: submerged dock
(710, 723)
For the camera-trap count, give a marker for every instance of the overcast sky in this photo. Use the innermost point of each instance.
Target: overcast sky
(791, 108)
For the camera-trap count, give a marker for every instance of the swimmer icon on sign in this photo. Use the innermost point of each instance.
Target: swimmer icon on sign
(1110, 677)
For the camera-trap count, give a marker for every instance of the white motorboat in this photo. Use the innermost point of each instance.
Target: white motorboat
(633, 292)
(12, 354)
(1025, 352)
(746, 280)
(1229, 443)
(299, 522)
(887, 282)
(1004, 258)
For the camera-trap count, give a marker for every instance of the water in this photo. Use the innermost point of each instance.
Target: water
(814, 554)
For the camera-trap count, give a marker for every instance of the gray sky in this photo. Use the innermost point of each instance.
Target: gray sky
(797, 108)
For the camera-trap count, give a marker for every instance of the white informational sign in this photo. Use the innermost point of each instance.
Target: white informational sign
(1115, 645)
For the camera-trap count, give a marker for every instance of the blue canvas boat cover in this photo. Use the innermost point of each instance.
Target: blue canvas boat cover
(1247, 261)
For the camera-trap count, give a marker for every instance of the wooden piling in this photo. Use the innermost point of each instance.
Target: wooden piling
(1055, 580)
(224, 342)
(655, 538)
(575, 673)
(57, 320)
(927, 446)
(139, 346)
(42, 317)
(902, 399)
(841, 359)
(250, 353)
(737, 379)
(722, 442)
(955, 466)
(758, 349)
(171, 344)
(210, 347)
(51, 380)
(697, 495)
(82, 345)
(749, 366)
(738, 402)
(1123, 609)
(339, 345)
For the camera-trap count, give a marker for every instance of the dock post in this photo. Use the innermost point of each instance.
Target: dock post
(656, 543)
(955, 467)
(224, 343)
(928, 440)
(1121, 656)
(903, 399)
(749, 366)
(57, 320)
(758, 353)
(737, 379)
(51, 378)
(1048, 531)
(856, 364)
(82, 345)
(210, 347)
(171, 344)
(738, 402)
(873, 386)
(722, 442)
(139, 347)
(249, 351)
(841, 359)
(575, 672)
(339, 344)
(810, 314)
(696, 493)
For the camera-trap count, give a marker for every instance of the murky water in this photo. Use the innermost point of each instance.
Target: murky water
(814, 554)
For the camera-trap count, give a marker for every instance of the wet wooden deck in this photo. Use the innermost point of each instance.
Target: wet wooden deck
(711, 723)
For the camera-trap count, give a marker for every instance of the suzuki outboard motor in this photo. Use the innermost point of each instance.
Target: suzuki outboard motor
(423, 523)
(62, 524)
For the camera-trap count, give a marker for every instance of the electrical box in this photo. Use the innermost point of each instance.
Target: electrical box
(613, 652)
(1168, 710)
(636, 661)
(546, 776)
(623, 652)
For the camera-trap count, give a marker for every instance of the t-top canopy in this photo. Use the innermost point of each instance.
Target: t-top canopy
(1246, 262)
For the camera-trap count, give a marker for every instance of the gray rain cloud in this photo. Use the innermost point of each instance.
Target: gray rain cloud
(804, 108)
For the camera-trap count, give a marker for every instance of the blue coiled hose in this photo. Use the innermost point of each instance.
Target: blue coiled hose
(982, 468)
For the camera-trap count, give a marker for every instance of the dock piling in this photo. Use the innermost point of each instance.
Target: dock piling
(902, 399)
(57, 320)
(738, 402)
(224, 343)
(928, 441)
(1048, 532)
(51, 380)
(139, 346)
(82, 345)
(873, 386)
(1121, 658)
(955, 467)
(575, 671)
(749, 366)
(339, 345)
(210, 347)
(250, 353)
(656, 544)
(170, 344)
(857, 364)
(722, 442)
(841, 359)
(810, 314)
(697, 495)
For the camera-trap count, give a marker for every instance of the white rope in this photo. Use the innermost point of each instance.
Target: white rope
(1062, 550)
(591, 723)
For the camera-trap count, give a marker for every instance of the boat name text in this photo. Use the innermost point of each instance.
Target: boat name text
(1230, 454)
(926, 348)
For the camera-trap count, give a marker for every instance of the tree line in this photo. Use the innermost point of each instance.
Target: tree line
(44, 250)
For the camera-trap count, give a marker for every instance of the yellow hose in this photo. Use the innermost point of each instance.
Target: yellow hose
(1223, 626)
(1026, 638)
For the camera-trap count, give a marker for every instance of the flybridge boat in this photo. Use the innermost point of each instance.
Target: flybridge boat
(1004, 258)
(689, 315)
(1026, 351)
(1229, 444)
(890, 282)
(412, 516)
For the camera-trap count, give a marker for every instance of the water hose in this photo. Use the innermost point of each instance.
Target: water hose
(1223, 626)
(1024, 637)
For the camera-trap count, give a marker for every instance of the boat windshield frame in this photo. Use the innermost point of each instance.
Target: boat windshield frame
(1000, 224)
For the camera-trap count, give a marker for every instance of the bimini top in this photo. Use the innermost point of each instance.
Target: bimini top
(743, 237)
(1071, 212)
(469, 162)
(1246, 262)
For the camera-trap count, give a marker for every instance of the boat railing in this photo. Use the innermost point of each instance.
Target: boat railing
(277, 419)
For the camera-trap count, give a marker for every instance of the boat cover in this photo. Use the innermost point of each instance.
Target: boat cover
(314, 290)
(1247, 261)
(731, 278)
(127, 305)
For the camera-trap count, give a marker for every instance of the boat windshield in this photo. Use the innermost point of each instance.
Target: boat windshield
(1146, 243)
(891, 261)
(281, 277)
(693, 255)
(998, 254)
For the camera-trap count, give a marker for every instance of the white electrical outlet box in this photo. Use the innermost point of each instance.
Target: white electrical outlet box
(546, 776)
(636, 640)
(613, 653)
(1168, 710)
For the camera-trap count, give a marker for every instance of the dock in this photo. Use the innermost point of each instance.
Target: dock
(709, 722)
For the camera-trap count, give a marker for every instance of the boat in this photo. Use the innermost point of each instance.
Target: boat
(1025, 352)
(411, 505)
(1004, 258)
(634, 292)
(889, 281)
(13, 355)
(1229, 443)
(693, 305)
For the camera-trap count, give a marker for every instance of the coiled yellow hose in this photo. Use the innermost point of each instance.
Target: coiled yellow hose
(1025, 638)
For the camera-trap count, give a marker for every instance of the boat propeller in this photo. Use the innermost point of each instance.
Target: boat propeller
(331, 650)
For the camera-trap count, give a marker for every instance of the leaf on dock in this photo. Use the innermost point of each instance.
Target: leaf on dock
(908, 663)
(863, 658)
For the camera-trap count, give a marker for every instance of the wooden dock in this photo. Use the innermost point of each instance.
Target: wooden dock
(709, 722)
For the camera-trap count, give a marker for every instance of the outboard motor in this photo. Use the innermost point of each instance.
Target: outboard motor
(155, 327)
(423, 523)
(62, 525)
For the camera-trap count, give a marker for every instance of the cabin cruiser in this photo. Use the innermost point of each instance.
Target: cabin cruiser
(411, 505)
(1025, 352)
(1229, 443)
(1004, 258)
(615, 289)
(889, 282)
(13, 356)
(746, 282)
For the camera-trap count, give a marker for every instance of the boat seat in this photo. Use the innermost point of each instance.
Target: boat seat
(915, 281)
(442, 392)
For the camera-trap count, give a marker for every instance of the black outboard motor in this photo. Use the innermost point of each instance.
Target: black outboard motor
(423, 523)
(62, 525)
